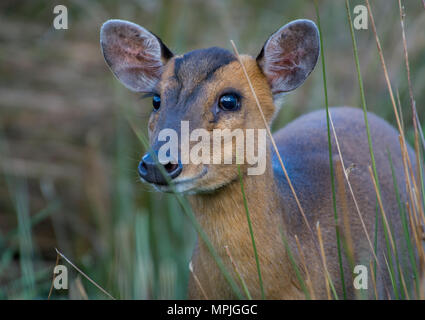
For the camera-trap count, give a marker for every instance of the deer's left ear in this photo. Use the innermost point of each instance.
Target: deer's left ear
(290, 55)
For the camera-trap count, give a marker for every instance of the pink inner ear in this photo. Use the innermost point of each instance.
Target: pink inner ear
(140, 57)
(134, 55)
(284, 62)
(281, 64)
(290, 55)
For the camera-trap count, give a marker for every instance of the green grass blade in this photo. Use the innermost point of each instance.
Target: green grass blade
(331, 168)
(375, 244)
(26, 247)
(295, 266)
(35, 219)
(240, 278)
(245, 203)
(405, 226)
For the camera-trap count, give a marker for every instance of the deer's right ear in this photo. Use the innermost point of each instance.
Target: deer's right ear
(135, 55)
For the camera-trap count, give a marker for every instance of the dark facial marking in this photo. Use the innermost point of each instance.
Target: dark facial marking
(191, 71)
(186, 86)
(199, 65)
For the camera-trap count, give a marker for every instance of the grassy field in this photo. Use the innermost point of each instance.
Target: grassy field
(68, 155)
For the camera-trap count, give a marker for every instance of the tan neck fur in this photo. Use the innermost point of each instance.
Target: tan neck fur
(223, 217)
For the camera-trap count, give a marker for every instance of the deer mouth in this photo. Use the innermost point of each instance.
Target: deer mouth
(183, 184)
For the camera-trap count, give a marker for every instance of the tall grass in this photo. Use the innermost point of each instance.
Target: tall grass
(131, 241)
(331, 160)
(412, 185)
(369, 139)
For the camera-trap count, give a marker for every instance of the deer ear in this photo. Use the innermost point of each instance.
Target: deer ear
(290, 55)
(135, 55)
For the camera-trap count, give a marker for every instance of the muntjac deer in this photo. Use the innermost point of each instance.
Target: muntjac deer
(208, 89)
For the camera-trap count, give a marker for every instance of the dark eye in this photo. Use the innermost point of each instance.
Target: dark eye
(229, 102)
(156, 102)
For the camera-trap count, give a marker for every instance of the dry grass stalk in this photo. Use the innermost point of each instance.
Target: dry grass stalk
(389, 271)
(418, 161)
(387, 78)
(54, 276)
(322, 252)
(304, 265)
(403, 282)
(410, 189)
(421, 280)
(412, 100)
(400, 109)
(195, 277)
(346, 222)
(236, 269)
(84, 275)
(416, 189)
(384, 216)
(406, 54)
(372, 273)
(420, 250)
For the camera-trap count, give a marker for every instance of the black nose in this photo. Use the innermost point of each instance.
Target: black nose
(150, 171)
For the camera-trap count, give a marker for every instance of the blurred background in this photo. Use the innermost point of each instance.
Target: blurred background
(68, 155)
